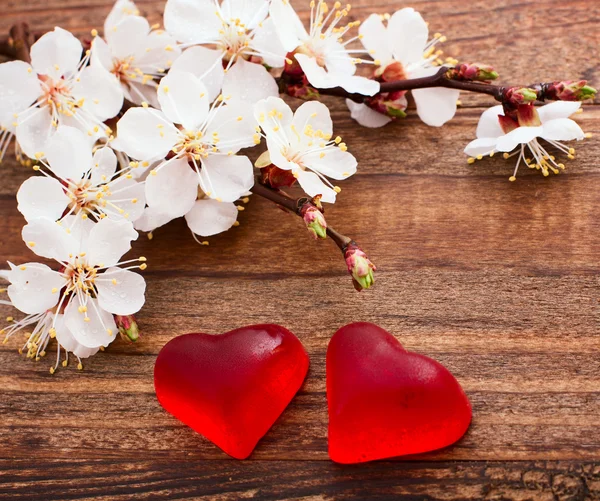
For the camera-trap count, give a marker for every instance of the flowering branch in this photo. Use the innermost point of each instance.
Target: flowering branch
(452, 78)
(358, 264)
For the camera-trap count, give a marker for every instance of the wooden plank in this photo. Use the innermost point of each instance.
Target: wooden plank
(308, 480)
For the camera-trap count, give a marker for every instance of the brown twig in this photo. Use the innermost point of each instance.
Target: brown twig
(18, 43)
(295, 205)
(443, 78)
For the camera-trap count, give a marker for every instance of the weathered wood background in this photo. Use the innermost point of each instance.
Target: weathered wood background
(496, 280)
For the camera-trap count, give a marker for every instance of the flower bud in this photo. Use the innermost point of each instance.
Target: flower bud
(314, 219)
(473, 72)
(516, 96)
(391, 104)
(128, 327)
(570, 91)
(359, 266)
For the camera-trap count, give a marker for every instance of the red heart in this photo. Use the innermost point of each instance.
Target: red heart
(385, 401)
(231, 388)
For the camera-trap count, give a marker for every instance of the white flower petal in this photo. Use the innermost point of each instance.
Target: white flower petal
(338, 60)
(520, 135)
(322, 79)
(313, 185)
(129, 196)
(104, 166)
(488, 125)
(108, 241)
(183, 99)
(267, 43)
(206, 64)
(19, 88)
(375, 39)
(481, 146)
(436, 106)
(288, 25)
(250, 12)
(192, 21)
(249, 82)
(365, 116)
(121, 292)
(145, 134)
(101, 93)
(138, 93)
(561, 129)
(49, 239)
(56, 53)
(335, 163)
(101, 54)
(68, 153)
(209, 217)
(68, 342)
(274, 105)
(558, 109)
(33, 130)
(31, 287)
(151, 219)
(173, 189)
(100, 330)
(276, 153)
(42, 197)
(128, 36)
(226, 178)
(314, 114)
(234, 125)
(158, 51)
(121, 9)
(407, 35)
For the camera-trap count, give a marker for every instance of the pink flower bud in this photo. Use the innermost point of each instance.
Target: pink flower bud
(314, 219)
(128, 327)
(516, 96)
(359, 266)
(473, 72)
(391, 104)
(570, 91)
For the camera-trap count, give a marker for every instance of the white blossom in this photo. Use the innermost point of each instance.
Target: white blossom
(75, 304)
(57, 88)
(201, 141)
(302, 143)
(79, 182)
(321, 51)
(497, 133)
(402, 47)
(135, 53)
(233, 31)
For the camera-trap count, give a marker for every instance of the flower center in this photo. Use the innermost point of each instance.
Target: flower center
(234, 38)
(81, 277)
(57, 94)
(121, 69)
(193, 145)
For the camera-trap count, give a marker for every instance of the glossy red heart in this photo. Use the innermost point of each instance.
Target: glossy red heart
(385, 401)
(232, 387)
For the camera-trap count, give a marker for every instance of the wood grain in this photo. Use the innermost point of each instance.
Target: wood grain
(498, 281)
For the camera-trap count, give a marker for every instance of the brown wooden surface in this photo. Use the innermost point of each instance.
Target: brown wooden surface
(496, 280)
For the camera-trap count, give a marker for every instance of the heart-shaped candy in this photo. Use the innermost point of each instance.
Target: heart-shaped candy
(385, 401)
(231, 388)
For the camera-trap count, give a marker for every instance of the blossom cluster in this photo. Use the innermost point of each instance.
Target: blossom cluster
(141, 125)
